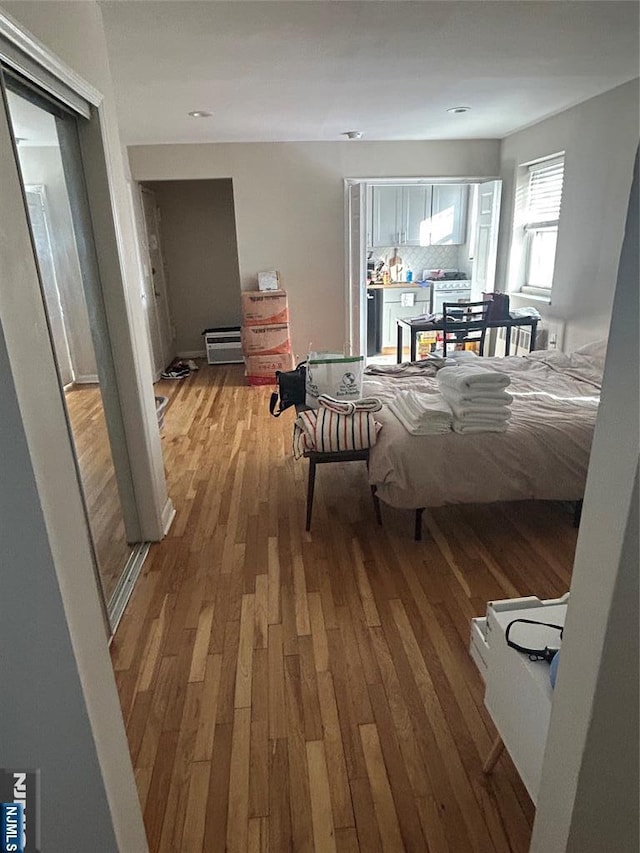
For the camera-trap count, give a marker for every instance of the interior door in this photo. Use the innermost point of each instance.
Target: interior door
(158, 278)
(485, 250)
(147, 294)
(356, 268)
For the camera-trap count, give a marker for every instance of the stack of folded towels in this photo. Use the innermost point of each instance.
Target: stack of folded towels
(477, 397)
(422, 414)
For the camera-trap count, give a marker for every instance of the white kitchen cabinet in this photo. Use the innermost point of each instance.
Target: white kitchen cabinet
(386, 215)
(403, 214)
(447, 226)
(393, 310)
(415, 207)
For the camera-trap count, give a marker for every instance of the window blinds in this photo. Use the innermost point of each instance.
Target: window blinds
(545, 191)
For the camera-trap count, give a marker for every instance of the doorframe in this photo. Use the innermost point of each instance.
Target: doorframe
(356, 344)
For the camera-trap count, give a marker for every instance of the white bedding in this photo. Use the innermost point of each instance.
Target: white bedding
(543, 455)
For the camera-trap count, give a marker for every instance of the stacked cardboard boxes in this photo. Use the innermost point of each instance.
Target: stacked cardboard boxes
(266, 342)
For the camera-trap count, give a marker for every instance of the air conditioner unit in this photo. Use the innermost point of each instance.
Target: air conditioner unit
(223, 345)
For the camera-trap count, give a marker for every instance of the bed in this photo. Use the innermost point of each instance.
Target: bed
(543, 455)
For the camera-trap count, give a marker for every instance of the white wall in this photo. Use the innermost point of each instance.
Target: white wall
(589, 799)
(289, 204)
(599, 138)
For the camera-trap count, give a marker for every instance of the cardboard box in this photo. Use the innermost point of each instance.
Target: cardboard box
(264, 309)
(266, 340)
(269, 280)
(261, 369)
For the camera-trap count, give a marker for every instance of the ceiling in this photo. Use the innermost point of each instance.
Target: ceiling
(291, 71)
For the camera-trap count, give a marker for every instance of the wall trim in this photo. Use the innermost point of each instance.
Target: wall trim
(86, 379)
(33, 48)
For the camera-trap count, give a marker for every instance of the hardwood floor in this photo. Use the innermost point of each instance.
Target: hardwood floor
(93, 451)
(292, 691)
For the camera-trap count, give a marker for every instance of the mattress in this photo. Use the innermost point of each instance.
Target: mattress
(543, 455)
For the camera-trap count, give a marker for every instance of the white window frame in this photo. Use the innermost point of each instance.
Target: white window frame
(535, 226)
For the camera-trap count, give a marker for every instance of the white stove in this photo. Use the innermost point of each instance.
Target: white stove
(453, 290)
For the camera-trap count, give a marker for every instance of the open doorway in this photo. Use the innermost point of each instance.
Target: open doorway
(412, 245)
(189, 257)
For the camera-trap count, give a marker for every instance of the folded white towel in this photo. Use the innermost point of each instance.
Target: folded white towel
(464, 428)
(481, 413)
(462, 404)
(472, 377)
(480, 398)
(424, 407)
(429, 427)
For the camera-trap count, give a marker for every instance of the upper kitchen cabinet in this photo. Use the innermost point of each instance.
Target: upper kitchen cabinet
(385, 215)
(447, 226)
(417, 215)
(398, 213)
(416, 205)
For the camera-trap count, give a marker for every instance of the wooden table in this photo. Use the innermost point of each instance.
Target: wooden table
(438, 326)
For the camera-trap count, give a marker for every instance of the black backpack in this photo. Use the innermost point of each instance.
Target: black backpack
(291, 389)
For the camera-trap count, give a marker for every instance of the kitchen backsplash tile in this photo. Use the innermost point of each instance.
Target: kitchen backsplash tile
(419, 258)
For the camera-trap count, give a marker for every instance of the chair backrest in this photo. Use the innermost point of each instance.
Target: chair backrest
(464, 322)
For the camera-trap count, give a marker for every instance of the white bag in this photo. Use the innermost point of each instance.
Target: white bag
(334, 374)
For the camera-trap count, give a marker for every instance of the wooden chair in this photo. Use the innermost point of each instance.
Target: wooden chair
(464, 322)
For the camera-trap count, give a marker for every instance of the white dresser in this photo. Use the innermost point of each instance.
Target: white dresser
(518, 691)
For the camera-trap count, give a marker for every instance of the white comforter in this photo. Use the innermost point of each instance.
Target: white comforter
(543, 455)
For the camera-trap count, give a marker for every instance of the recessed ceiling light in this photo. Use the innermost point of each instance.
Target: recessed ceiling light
(200, 114)
(353, 134)
(457, 110)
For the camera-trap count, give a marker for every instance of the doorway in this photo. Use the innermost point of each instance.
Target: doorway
(50, 166)
(189, 244)
(412, 244)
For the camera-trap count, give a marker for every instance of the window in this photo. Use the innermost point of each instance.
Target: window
(544, 196)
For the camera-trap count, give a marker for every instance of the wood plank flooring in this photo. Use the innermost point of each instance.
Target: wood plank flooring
(292, 691)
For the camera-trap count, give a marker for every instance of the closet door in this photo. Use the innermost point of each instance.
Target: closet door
(50, 165)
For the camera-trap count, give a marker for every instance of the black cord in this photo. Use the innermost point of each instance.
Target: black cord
(545, 654)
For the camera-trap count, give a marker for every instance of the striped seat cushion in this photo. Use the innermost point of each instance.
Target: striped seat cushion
(326, 431)
(334, 432)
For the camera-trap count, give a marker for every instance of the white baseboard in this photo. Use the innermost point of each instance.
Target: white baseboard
(168, 514)
(200, 353)
(88, 379)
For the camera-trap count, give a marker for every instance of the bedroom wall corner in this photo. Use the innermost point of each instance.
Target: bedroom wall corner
(599, 138)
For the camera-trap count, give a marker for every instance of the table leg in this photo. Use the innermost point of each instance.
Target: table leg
(507, 341)
(534, 332)
(399, 345)
(414, 336)
(492, 759)
(418, 528)
(310, 490)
